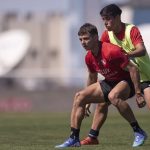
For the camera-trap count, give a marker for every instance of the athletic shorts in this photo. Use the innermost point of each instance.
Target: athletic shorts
(107, 86)
(145, 85)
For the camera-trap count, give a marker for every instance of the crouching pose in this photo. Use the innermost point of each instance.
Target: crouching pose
(128, 37)
(121, 82)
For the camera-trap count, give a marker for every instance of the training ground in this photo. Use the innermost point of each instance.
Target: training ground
(39, 120)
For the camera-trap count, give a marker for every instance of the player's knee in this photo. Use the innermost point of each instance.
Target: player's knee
(79, 97)
(113, 97)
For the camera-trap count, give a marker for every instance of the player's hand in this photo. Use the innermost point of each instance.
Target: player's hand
(140, 100)
(87, 110)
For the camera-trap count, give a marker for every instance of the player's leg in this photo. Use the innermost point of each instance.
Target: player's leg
(91, 94)
(100, 115)
(117, 97)
(99, 118)
(122, 91)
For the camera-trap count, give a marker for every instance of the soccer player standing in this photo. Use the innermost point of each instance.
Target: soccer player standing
(120, 83)
(129, 38)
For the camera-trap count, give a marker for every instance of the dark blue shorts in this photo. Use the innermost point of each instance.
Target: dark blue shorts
(107, 86)
(145, 85)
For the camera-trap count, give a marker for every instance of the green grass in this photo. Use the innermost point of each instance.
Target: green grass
(35, 131)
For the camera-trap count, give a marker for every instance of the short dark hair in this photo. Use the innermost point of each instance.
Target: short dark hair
(111, 10)
(88, 28)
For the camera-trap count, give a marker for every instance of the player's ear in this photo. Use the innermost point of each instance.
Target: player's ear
(117, 17)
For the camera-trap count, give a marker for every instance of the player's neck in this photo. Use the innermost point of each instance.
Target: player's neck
(96, 49)
(118, 28)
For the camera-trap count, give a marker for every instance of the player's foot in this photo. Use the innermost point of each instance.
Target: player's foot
(69, 143)
(140, 138)
(89, 141)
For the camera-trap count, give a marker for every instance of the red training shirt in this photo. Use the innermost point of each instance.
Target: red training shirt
(109, 62)
(135, 35)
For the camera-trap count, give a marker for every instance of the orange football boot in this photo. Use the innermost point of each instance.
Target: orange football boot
(89, 141)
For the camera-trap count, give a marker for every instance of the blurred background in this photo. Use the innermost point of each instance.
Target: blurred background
(41, 59)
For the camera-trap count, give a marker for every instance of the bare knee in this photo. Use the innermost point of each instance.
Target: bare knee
(79, 98)
(113, 97)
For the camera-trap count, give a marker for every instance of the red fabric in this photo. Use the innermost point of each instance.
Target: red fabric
(109, 62)
(135, 35)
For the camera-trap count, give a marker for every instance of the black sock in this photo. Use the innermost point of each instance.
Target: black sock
(135, 126)
(74, 133)
(93, 133)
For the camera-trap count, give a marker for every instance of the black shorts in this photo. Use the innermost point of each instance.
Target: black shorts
(145, 85)
(107, 86)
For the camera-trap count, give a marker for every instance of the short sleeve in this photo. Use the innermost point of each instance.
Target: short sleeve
(136, 36)
(88, 62)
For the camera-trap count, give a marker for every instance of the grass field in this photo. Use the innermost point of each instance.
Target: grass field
(42, 131)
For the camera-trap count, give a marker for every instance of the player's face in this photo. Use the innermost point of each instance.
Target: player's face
(87, 41)
(109, 22)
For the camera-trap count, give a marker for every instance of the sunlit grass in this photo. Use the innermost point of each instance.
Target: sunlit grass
(42, 131)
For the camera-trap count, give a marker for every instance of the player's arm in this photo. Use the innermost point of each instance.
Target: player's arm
(92, 78)
(126, 64)
(135, 77)
(138, 43)
(139, 51)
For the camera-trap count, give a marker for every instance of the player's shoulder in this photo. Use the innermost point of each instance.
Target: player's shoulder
(104, 36)
(133, 27)
(88, 56)
(105, 32)
(110, 50)
(110, 47)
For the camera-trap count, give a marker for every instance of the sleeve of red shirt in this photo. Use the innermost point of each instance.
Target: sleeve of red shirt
(89, 63)
(119, 57)
(136, 36)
